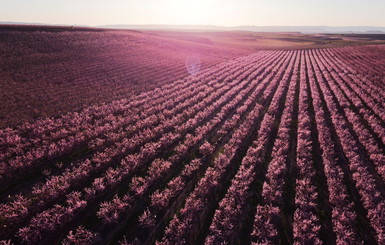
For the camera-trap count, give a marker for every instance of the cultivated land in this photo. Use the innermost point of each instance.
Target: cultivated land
(280, 146)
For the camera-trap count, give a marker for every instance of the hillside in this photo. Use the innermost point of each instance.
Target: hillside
(47, 71)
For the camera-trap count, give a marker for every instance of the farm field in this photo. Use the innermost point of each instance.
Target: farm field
(48, 71)
(262, 146)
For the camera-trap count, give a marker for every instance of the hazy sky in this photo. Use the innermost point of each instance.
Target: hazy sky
(211, 12)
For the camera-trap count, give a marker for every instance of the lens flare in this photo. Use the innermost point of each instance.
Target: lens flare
(193, 64)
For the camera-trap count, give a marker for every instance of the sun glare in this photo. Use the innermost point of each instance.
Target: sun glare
(191, 12)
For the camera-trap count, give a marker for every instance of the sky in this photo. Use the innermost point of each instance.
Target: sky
(196, 12)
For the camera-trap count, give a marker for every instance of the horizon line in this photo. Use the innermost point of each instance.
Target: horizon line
(208, 25)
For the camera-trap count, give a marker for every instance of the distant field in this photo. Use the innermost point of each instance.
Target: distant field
(264, 40)
(47, 71)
